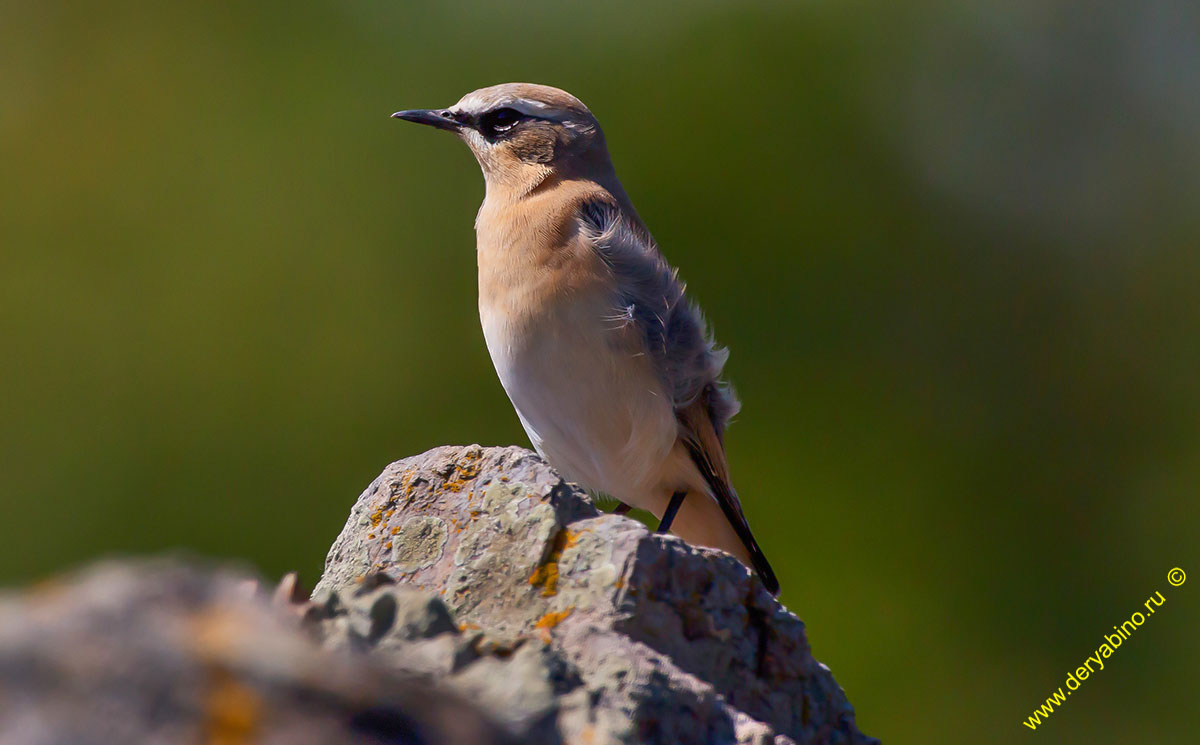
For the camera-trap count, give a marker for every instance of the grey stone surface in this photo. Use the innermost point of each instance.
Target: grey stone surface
(173, 653)
(569, 624)
(473, 598)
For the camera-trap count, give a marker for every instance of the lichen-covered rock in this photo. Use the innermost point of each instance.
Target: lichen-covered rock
(473, 597)
(167, 653)
(574, 625)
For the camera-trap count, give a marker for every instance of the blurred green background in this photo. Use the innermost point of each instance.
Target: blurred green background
(954, 249)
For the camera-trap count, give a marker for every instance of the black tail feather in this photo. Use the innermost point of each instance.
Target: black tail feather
(731, 507)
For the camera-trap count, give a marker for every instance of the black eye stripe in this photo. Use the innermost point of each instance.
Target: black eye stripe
(496, 122)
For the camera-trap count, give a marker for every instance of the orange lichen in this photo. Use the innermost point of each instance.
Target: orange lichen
(546, 575)
(381, 513)
(463, 471)
(550, 620)
(233, 711)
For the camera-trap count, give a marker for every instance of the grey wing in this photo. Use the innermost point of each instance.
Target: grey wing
(653, 298)
(689, 361)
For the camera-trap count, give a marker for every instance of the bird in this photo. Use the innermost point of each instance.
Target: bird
(612, 370)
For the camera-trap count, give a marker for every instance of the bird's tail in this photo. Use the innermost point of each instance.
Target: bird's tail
(758, 560)
(707, 452)
(714, 520)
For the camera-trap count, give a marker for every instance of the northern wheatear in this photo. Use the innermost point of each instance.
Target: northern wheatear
(610, 368)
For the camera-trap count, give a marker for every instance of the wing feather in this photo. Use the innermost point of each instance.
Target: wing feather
(653, 296)
(688, 360)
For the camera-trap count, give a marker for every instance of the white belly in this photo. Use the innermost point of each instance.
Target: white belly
(587, 396)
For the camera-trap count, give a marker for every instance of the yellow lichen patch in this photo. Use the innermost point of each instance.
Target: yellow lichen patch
(376, 516)
(381, 513)
(463, 473)
(550, 620)
(546, 575)
(233, 711)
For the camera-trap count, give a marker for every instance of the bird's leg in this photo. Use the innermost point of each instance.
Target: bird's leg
(622, 509)
(669, 516)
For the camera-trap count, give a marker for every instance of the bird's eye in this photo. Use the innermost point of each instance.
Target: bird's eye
(501, 120)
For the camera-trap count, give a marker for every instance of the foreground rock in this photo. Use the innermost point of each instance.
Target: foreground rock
(165, 653)
(565, 623)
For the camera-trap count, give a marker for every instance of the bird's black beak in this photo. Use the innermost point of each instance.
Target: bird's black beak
(439, 118)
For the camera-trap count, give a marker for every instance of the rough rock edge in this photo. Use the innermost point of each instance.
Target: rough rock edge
(601, 630)
(473, 598)
(173, 652)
